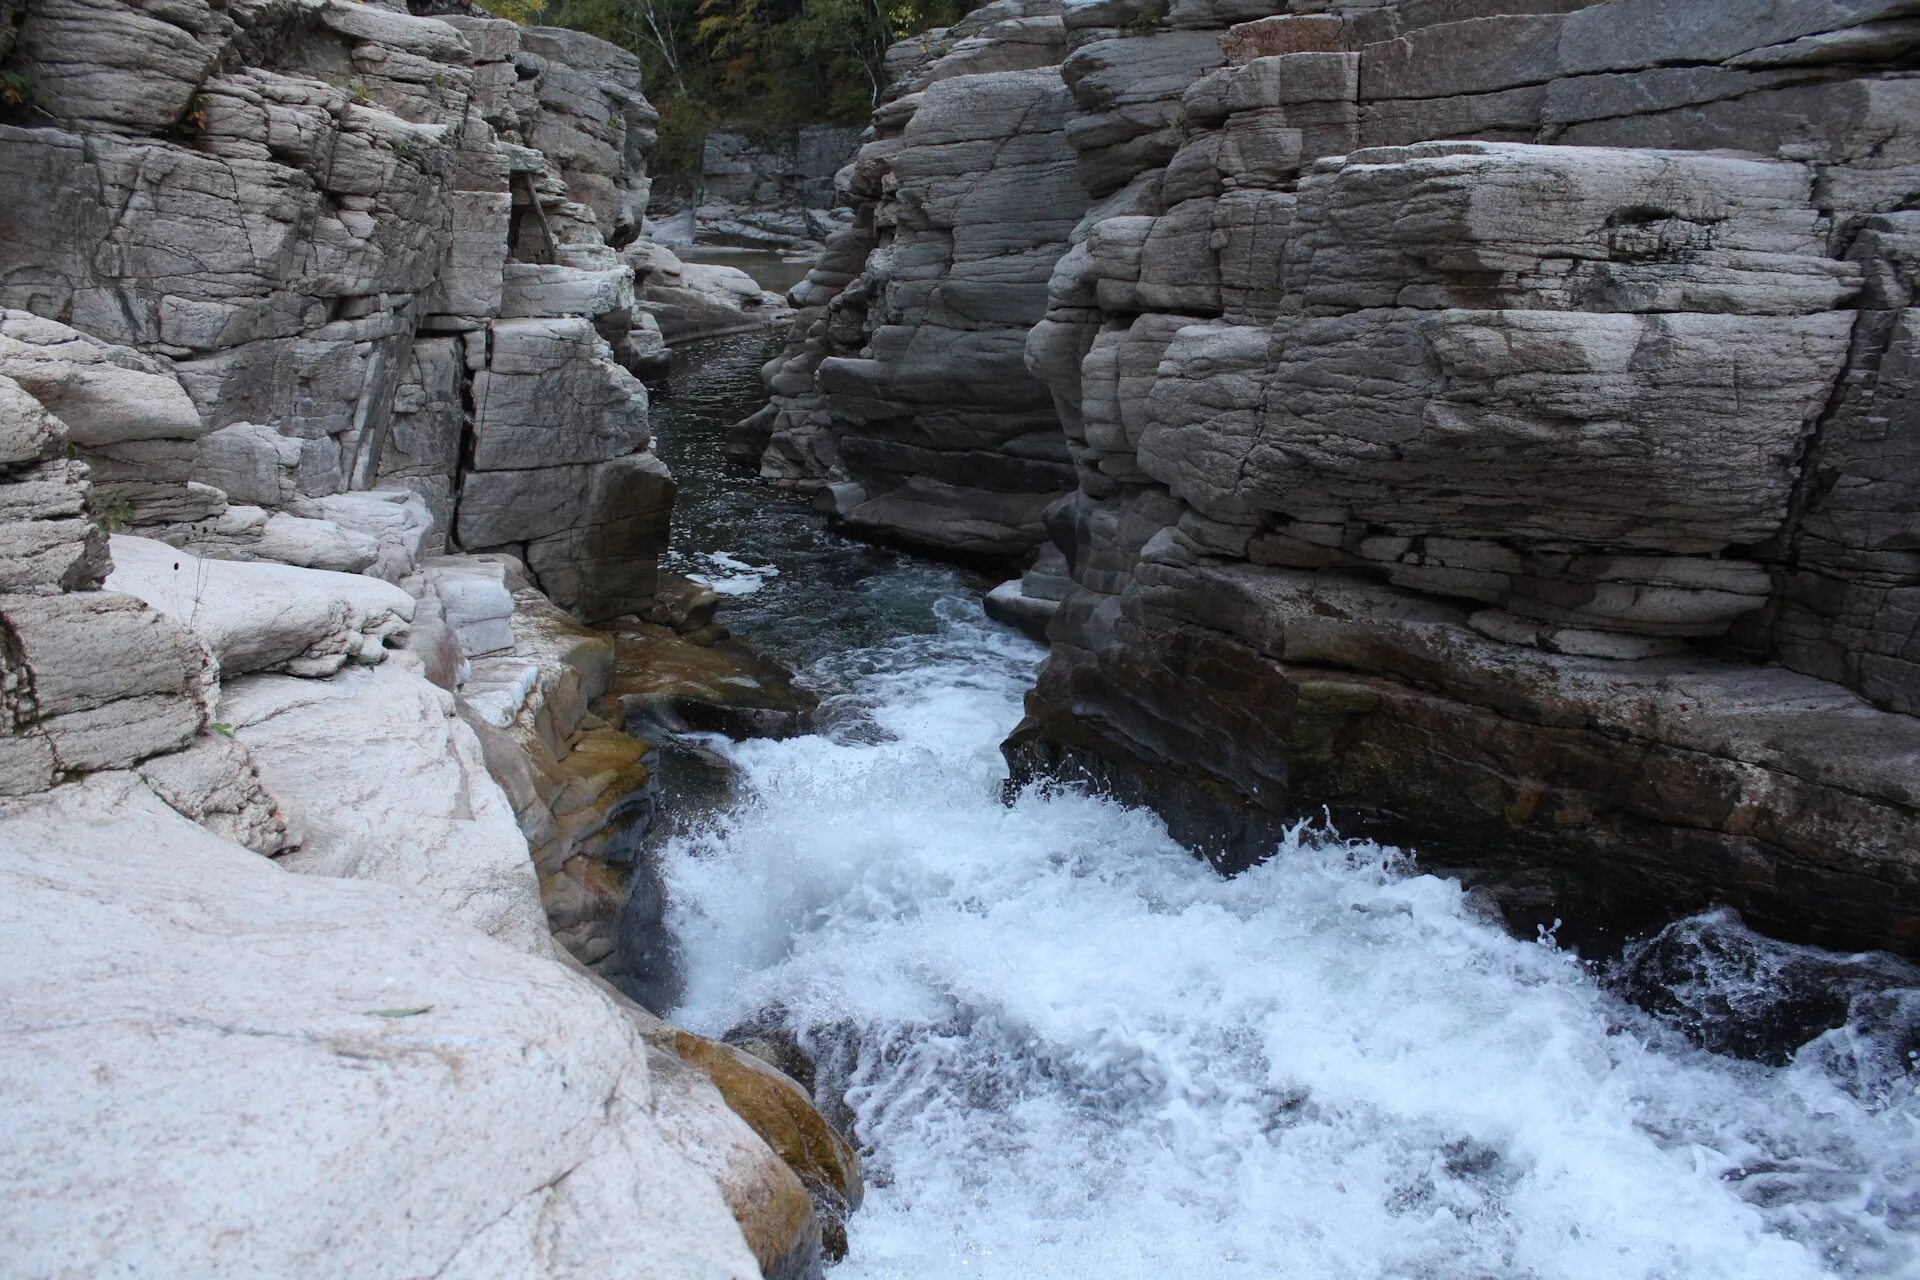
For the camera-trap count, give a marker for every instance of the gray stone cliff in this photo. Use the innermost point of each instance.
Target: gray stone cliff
(317, 444)
(368, 247)
(1491, 423)
(904, 395)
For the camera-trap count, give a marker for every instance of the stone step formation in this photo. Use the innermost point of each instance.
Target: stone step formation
(1486, 422)
(321, 446)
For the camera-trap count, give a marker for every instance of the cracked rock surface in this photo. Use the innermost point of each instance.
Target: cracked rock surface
(1572, 337)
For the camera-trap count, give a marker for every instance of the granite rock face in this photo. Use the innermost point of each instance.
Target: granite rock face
(305, 249)
(1490, 422)
(903, 397)
(295, 298)
(371, 1047)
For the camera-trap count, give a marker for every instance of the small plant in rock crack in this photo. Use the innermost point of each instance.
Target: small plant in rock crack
(359, 94)
(109, 511)
(193, 121)
(197, 540)
(19, 93)
(1147, 21)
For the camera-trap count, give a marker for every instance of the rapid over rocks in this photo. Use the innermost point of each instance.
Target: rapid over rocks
(1488, 423)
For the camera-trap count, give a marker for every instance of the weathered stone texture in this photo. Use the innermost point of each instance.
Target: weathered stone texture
(262, 210)
(904, 395)
(1573, 338)
(398, 1094)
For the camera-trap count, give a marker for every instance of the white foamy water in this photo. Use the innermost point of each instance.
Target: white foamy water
(723, 572)
(1072, 1051)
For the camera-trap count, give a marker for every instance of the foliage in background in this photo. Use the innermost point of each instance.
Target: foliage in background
(520, 11)
(754, 63)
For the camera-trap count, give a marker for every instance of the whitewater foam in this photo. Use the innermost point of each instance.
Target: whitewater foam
(722, 571)
(1069, 1050)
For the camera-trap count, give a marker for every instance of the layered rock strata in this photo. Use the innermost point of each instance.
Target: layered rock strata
(903, 395)
(288, 793)
(1491, 424)
(375, 253)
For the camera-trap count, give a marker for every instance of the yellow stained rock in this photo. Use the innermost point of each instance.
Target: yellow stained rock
(779, 1110)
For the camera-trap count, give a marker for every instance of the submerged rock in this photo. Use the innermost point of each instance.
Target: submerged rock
(1737, 992)
(672, 683)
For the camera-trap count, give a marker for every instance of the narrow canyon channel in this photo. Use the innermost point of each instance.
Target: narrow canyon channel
(1067, 1048)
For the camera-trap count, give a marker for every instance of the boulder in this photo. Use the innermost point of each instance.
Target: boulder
(400, 1095)
(95, 680)
(264, 616)
(105, 394)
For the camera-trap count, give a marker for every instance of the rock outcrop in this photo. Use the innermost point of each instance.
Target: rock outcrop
(398, 1094)
(1490, 424)
(302, 298)
(903, 397)
(368, 251)
(1491, 427)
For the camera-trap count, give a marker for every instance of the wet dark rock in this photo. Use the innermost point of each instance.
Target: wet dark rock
(674, 684)
(768, 1037)
(1740, 993)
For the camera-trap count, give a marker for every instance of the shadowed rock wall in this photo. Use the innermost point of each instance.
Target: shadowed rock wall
(904, 394)
(1490, 420)
(1492, 424)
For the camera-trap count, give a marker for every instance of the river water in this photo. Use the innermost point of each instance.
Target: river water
(1068, 1049)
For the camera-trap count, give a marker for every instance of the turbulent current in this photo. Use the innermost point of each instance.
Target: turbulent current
(1068, 1049)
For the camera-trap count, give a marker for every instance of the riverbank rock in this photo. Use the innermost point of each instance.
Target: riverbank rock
(263, 616)
(368, 1050)
(781, 1113)
(689, 300)
(1486, 432)
(903, 397)
(583, 791)
(301, 301)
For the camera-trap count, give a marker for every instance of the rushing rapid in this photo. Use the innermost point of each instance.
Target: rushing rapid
(1069, 1050)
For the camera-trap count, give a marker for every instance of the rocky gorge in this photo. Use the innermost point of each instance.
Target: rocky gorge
(1485, 422)
(1480, 427)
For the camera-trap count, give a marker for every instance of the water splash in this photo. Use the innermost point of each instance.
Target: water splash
(1072, 1051)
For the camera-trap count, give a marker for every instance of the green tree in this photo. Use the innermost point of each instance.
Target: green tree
(766, 63)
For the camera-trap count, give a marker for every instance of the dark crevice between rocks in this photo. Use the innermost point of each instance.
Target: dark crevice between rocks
(681, 682)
